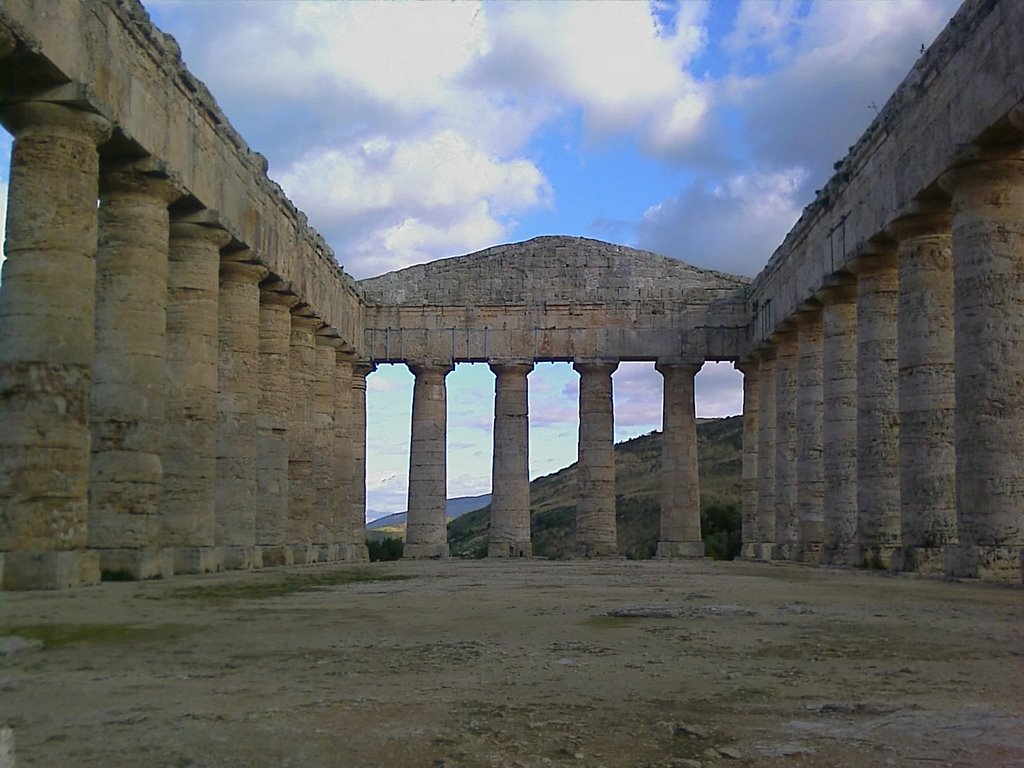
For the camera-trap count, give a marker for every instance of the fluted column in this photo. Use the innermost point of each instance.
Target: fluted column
(839, 420)
(749, 522)
(190, 423)
(351, 534)
(927, 453)
(988, 285)
(238, 393)
(427, 526)
(510, 471)
(326, 509)
(126, 406)
(272, 444)
(786, 362)
(596, 533)
(680, 534)
(302, 438)
(46, 345)
(357, 505)
(810, 479)
(878, 480)
(766, 453)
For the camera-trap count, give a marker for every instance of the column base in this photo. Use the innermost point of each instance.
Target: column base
(242, 557)
(998, 564)
(877, 557)
(327, 553)
(424, 551)
(749, 551)
(509, 549)
(808, 553)
(276, 555)
(671, 550)
(597, 549)
(357, 553)
(785, 551)
(50, 570)
(197, 559)
(124, 564)
(763, 550)
(924, 560)
(304, 554)
(833, 555)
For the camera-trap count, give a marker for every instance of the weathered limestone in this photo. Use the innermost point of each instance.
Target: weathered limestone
(596, 534)
(786, 520)
(190, 427)
(237, 410)
(927, 453)
(680, 484)
(326, 506)
(810, 478)
(839, 420)
(302, 438)
(270, 507)
(427, 523)
(988, 273)
(750, 478)
(126, 405)
(357, 503)
(46, 345)
(510, 471)
(878, 481)
(766, 453)
(351, 533)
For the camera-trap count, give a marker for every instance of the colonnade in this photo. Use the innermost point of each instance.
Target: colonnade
(680, 534)
(166, 404)
(907, 377)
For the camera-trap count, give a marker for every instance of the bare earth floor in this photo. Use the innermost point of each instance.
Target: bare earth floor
(482, 663)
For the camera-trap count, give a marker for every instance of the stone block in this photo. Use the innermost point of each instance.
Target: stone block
(787, 551)
(809, 554)
(997, 564)
(122, 564)
(242, 557)
(680, 549)
(276, 556)
(923, 560)
(873, 557)
(50, 570)
(304, 554)
(197, 559)
(327, 553)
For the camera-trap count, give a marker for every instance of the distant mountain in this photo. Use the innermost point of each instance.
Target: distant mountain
(455, 508)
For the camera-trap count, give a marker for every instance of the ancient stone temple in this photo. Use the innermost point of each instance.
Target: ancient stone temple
(183, 361)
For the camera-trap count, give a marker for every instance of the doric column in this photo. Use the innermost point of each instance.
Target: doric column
(510, 471)
(766, 452)
(596, 534)
(46, 345)
(749, 522)
(878, 479)
(427, 527)
(680, 485)
(190, 422)
(988, 275)
(272, 445)
(927, 453)
(238, 394)
(786, 363)
(302, 437)
(357, 432)
(126, 405)
(839, 420)
(326, 507)
(351, 533)
(810, 480)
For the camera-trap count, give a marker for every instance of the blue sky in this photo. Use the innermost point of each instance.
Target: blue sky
(415, 131)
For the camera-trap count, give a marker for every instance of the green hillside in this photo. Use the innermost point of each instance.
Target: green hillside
(637, 479)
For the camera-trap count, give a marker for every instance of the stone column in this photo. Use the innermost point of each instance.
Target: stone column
(810, 480)
(126, 405)
(272, 444)
(988, 275)
(351, 534)
(786, 362)
(596, 533)
(510, 471)
(302, 438)
(46, 345)
(766, 453)
(357, 431)
(878, 479)
(927, 454)
(427, 526)
(238, 393)
(190, 397)
(839, 420)
(326, 509)
(680, 484)
(751, 391)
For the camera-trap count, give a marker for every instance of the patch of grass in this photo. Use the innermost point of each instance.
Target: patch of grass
(278, 584)
(57, 635)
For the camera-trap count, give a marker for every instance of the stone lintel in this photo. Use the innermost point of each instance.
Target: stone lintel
(197, 559)
(123, 564)
(26, 569)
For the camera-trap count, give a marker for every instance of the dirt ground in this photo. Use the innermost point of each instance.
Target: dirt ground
(482, 663)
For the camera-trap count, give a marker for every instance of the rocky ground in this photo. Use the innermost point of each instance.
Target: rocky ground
(479, 663)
